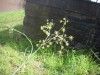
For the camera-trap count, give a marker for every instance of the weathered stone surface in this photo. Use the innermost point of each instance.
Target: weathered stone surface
(82, 16)
(80, 6)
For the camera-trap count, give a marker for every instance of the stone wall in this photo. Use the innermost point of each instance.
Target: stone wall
(82, 15)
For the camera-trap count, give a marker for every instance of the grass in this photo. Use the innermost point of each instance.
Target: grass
(11, 16)
(46, 61)
(11, 19)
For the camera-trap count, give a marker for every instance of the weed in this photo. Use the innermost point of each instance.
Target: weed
(46, 62)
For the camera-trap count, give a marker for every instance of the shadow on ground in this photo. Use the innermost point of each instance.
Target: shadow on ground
(14, 39)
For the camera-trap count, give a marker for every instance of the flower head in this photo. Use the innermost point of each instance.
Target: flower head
(71, 37)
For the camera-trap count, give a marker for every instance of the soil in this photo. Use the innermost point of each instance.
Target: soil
(7, 5)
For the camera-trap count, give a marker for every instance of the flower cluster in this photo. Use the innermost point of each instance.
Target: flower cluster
(47, 28)
(59, 37)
